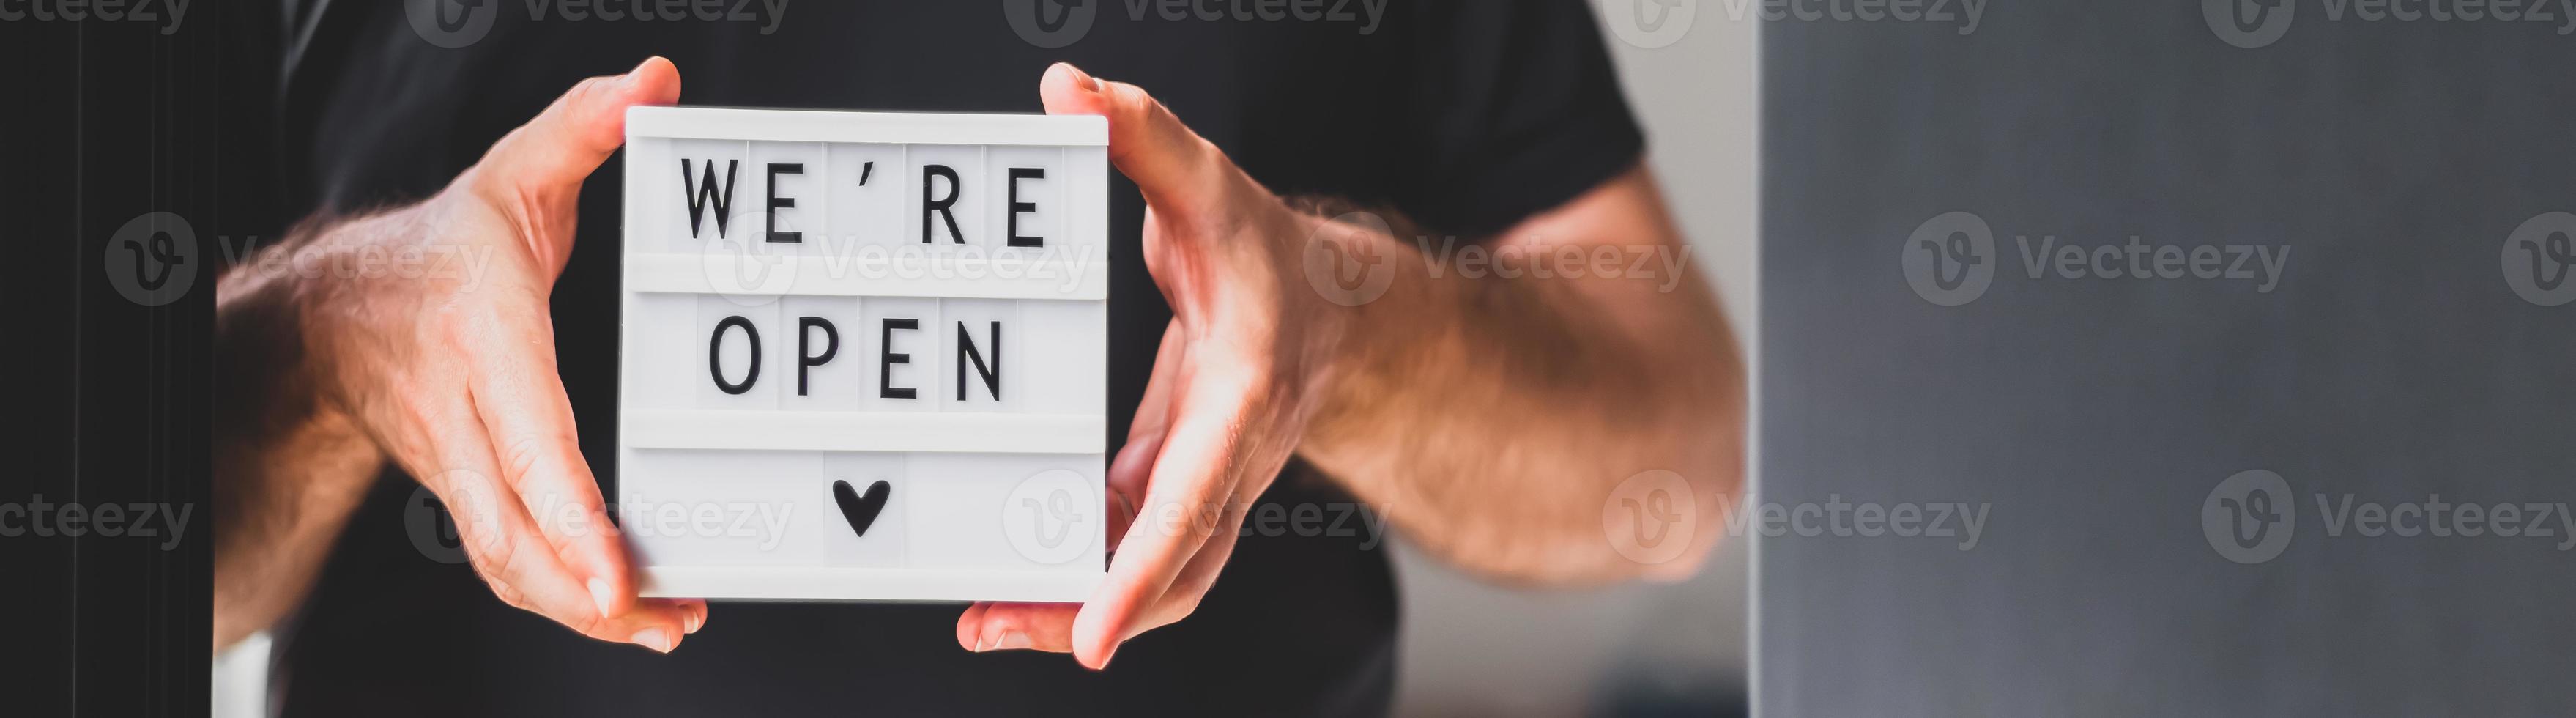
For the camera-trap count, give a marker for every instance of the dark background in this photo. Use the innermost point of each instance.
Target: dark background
(2392, 361)
(107, 393)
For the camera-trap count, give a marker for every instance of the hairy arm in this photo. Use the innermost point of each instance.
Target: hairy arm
(288, 468)
(1496, 416)
(445, 368)
(1493, 411)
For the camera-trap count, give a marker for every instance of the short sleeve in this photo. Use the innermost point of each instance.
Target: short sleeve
(1515, 110)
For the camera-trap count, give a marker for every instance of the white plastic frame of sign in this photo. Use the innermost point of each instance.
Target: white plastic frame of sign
(864, 355)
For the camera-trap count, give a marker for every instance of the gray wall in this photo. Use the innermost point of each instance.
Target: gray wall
(2391, 362)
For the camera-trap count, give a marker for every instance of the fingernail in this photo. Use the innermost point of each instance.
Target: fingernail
(1012, 640)
(599, 594)
(689, 623)
(653, 638)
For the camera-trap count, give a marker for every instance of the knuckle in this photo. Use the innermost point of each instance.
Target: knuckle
(509, 594)
(586, 624)
(521, 456)
(592, 86)
(1134, 102)
(492, 558)
(1187, 602)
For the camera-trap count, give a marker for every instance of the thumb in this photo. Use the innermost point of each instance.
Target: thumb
(1171, 165)
(552, 154)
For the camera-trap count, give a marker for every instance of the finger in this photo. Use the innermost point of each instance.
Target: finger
(1135, 462)
(970, 624)
(693, 612)
(521, 402)
(1127, 479)
(1182, 598)
(504, 545)
(561, 147)
(1183, 503)
(1154, 411)
(1174, 167)
(1021, 626)
(1049, 626)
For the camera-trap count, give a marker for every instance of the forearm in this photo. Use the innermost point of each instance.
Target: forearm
(289, 469)
(1493, 415)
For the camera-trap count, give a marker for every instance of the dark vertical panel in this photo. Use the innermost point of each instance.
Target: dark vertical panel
(135, 149)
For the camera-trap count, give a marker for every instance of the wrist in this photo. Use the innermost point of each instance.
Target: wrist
(274, 420)
(1340, 272)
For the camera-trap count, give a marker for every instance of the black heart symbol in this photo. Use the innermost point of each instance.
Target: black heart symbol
(860, 510)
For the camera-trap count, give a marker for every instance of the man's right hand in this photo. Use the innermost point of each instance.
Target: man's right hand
(454, 377)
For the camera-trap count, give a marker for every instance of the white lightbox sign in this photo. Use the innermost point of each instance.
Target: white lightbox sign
(864, 355)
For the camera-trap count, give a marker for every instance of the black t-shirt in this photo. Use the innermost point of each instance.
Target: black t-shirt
(1466, 116)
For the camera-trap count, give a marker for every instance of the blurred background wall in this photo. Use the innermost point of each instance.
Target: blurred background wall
(2405, 352)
